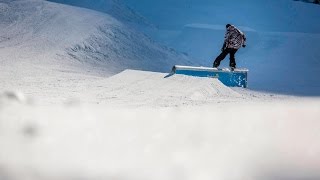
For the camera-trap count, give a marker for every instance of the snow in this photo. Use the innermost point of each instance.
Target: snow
(84, 94)
(239, 141)
(144, 125)
(46, 34)
(148, 89)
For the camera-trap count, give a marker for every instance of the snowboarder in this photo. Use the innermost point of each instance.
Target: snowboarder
(233, 41)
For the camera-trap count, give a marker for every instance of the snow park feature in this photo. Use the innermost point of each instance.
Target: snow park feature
(231, 78)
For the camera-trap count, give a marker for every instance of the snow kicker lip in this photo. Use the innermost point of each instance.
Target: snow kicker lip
(235, 78)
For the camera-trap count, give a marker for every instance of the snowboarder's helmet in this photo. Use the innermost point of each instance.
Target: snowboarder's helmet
(228, 25)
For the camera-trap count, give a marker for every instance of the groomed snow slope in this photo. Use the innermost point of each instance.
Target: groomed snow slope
(132, 88)
(37, 35)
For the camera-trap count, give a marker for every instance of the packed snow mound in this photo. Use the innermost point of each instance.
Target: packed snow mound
(142, 88)
(130, 88)
(39, 33)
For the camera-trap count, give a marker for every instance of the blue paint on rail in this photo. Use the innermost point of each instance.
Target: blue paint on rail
(237, 78)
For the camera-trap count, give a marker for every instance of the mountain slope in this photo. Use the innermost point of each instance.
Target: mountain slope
(115, 8)
(42, 34)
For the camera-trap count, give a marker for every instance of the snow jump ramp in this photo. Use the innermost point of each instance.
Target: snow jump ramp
(235, 78)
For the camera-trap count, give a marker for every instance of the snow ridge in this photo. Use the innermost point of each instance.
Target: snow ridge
(57, 36)
(117, 48)
(115, 8)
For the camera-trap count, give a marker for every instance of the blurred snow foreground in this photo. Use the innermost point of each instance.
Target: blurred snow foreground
(151, 127)
(241, 141)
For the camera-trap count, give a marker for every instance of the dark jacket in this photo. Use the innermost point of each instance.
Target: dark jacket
(234, 38)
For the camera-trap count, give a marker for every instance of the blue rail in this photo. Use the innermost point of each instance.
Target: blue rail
(236, 78)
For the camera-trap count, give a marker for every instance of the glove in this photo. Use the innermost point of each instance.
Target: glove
(244, 45)
(223, 47)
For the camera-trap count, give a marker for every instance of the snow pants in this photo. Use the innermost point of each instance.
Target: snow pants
(224, 53)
